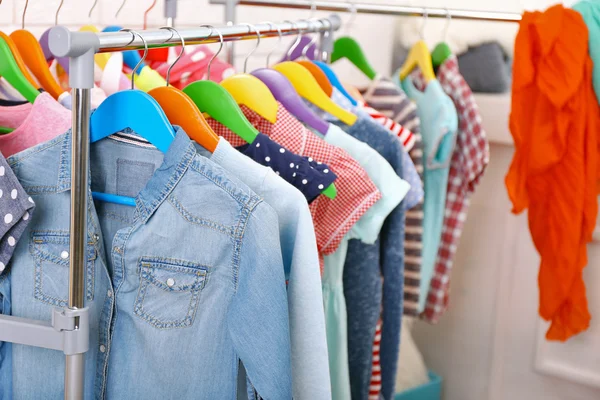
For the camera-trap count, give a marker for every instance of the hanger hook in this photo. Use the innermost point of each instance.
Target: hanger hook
(279, 33)
(312, 41)
(448, 19)
(57, 11)
(295, 26)
(250, 28)
(222, 42)
(143, 57)
(120, 8)
(173, 30)
(422, 31)
(23, 16)
(353, 12)
(92, 9)
(146, 13)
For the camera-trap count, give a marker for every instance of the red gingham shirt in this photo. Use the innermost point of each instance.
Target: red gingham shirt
(467, 166)
(356, 193)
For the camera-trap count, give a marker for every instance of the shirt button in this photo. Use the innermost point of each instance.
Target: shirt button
(102, 348)
(117, 249)
(109, 293)
(64, 255)
(96, 237)
(170, 282)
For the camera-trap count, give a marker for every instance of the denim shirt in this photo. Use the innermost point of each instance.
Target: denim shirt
(180, 288)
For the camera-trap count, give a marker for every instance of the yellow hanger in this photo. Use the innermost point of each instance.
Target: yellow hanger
(419, 56)
(251, 91)
(308, 87)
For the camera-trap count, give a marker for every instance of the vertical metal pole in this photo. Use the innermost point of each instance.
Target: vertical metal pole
(230, 6)
(170, 12)
(74, 364)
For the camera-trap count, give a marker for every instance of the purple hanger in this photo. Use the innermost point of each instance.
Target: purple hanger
(297, 53)
(63, 61)
(284, 92)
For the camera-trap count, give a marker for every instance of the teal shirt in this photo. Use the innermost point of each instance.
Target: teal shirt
(439, 123)
(590, 10)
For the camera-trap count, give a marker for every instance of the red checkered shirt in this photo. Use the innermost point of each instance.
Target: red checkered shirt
(467, 166)
(356, 193)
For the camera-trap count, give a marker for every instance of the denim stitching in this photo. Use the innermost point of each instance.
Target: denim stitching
(146, 267)
(237, 246)
(189, 217)
(174, 179)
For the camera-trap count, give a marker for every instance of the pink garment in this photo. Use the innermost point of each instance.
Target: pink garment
(32, 123)
(193, 66)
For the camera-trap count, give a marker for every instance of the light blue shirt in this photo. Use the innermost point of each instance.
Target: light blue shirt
(179, 288)
(590, 10)
(310, 364)
(439, 123)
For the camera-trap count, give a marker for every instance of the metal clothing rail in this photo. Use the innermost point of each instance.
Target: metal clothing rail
(69, 330)
(366, 8)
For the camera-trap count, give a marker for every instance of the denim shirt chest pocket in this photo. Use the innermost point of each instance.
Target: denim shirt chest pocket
(50, 251)
(169, 291)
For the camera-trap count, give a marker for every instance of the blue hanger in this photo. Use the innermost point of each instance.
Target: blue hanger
(131, 58)
(333, 79)
(131, 109)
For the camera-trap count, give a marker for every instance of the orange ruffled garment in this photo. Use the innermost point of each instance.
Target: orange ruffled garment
(554, 171)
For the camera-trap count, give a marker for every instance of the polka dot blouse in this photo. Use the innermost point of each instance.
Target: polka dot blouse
(304, 173)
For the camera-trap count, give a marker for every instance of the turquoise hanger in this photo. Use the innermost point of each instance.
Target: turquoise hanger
(333, 79)
(136, 110)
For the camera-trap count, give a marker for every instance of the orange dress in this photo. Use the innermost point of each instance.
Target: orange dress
(554, 171)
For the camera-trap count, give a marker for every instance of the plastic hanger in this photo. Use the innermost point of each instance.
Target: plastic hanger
(182, 111)
(285, 93)
(34, 58)
(131, 109)
(213, 99)
(347, 47)
(250, 91)
(419, 56)
(315, 71)
(307, 87)
(9, 69)
(17, 56)
(442, 51)
(331, 76)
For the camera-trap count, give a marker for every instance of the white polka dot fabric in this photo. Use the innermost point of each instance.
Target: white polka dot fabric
(16, 207)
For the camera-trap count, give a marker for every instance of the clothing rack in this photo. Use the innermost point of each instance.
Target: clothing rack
(68, 332)
(366, 8)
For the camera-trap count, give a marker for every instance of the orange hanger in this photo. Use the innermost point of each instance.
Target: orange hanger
(18, 59)
(319, 76)
(33, 56)
(181, 110)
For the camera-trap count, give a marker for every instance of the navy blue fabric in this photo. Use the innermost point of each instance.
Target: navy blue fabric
(362, 279)
(304, 173)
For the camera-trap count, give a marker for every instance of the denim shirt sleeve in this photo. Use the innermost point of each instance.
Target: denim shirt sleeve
(258, 316)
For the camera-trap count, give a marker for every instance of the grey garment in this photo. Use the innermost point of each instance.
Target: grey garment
(390, 100)
(486, 68)
(364, 266)
(16, 208)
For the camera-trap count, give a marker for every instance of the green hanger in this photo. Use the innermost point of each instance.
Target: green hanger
(346, 47)
(440, 54)
(213, 99)
(13, 75)
(5, 130)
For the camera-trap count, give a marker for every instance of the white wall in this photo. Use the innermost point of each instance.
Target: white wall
(375, 33)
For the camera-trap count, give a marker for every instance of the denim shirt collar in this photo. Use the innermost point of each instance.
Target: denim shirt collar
(176, 161)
